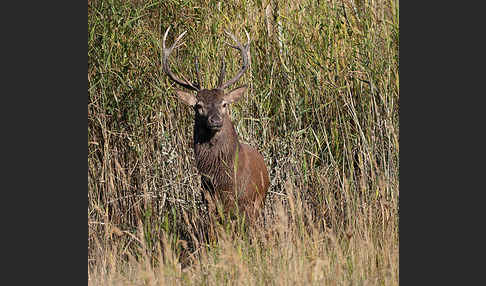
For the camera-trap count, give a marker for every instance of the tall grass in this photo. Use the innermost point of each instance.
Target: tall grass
(322, 107)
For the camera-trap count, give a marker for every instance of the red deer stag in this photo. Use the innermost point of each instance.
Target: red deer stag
(232, 173)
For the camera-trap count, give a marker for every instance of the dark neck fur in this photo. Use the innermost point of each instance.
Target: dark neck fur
(214, 152)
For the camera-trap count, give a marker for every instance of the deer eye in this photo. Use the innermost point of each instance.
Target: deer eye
(224, 104)
(199, 107)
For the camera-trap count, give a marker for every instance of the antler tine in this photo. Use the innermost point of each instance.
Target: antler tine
(165, 38)
(233, 38)
(176, 42)
(248, 37)
(244, 55)
(165, 61)
(222, 72)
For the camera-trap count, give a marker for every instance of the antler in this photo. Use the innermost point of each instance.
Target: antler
(165, 63)
(244, 55)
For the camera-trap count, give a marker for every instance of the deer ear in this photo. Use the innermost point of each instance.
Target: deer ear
(235, 94)
(186, 97)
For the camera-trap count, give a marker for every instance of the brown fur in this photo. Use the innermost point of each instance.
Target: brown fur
(233, 173)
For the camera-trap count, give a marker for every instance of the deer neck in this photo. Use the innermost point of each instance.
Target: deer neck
(215, 152)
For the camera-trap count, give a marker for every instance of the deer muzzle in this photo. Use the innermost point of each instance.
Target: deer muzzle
(215, 122)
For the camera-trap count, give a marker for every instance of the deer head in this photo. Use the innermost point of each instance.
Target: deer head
(210, 105)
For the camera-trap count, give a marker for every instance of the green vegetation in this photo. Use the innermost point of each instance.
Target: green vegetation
(322, 107)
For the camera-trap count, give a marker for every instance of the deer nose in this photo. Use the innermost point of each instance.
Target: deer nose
(215, 121)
